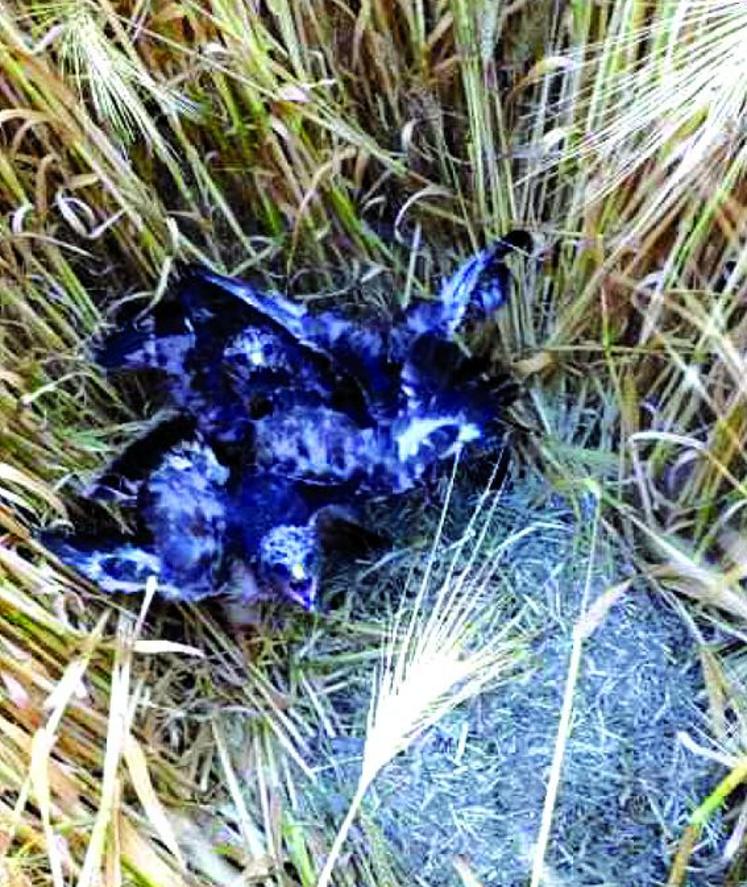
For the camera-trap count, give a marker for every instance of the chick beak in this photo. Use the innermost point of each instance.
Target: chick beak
(302, 588)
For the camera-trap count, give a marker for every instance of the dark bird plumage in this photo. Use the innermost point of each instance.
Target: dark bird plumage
(182, 536)
(229, 352)
(373, 352)
(318, 446)
(287, 527)
(116, 565)
(359, 353)
(286, 420)
(225, 359)
(203, 533)
(478, 288)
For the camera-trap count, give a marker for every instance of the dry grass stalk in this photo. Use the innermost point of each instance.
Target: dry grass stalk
(431, 661)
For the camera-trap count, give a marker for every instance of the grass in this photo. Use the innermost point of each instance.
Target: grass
(352, 152)
(432, 663)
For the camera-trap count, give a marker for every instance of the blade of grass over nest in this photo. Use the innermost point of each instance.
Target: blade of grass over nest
(137, 766)
(584, 626)
(469, 879)
(251, 833)
(700, 818)
(726, 746)
(686, 572)
(141, 858)
(119, 716)
(41, 750)
(430, 663)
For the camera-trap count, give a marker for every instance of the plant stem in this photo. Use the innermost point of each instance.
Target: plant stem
(342, 833)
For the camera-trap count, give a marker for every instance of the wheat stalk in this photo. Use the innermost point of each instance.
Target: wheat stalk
(433, 661)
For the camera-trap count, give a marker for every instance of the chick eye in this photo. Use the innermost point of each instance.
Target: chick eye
(281, 569)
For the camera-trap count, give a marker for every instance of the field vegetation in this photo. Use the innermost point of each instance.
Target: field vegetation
(355, 152)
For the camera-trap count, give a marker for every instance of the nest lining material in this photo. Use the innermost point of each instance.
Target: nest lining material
(474, 785)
